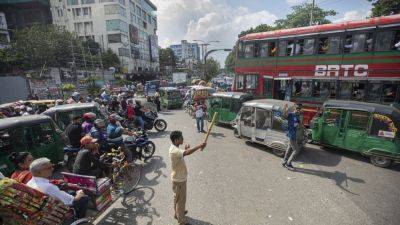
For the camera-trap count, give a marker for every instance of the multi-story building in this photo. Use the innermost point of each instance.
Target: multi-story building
(128, 27)
(4, 35)
(186, 51)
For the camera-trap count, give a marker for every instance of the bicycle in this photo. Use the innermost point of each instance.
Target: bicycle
(125, 176)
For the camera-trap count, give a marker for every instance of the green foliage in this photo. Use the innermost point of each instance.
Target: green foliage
(167, 59)
(93, 89)
(385, 7)
(68, 87)
(257, 29)
(212, 69)
(110, 59)
(300, 16)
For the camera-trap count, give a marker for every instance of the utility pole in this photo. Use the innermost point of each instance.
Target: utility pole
(312, 13)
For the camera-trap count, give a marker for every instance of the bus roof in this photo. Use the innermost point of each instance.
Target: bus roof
(69, 107)
(364, 106)
(372, 22)
(237, 95)
(23, 120)
(269, 104)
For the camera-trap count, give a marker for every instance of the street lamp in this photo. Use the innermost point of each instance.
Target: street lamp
(205, 43)
(209, 52)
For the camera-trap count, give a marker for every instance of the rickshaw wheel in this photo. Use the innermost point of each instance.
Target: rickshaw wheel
(380, 161)
(278, 152)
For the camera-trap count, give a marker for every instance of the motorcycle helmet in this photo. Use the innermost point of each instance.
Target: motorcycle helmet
(114, 118)
(89, 116)
(99, 123)
(75, 96)
(88, 99)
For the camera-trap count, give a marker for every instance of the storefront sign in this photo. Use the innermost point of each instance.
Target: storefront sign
(359, 70)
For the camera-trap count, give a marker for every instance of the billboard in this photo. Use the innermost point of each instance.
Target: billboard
(153, 44)
(133, 34)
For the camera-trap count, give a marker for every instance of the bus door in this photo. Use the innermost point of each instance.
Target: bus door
(268, 84)
(282, 89)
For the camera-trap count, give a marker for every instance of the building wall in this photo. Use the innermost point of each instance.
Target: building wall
(186, 50)
(116, 24)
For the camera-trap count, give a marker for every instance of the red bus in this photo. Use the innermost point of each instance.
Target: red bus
(355, 60)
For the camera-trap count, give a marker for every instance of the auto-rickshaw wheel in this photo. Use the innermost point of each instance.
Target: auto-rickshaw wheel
(278, 152)
(380, 161)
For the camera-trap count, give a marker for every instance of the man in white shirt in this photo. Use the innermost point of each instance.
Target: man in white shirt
(41, 170)
(179, 173)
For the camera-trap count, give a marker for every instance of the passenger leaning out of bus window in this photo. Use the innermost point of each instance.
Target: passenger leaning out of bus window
(397, 41)
(21, 161)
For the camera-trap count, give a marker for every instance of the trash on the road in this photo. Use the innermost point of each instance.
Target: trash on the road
(290, 218)
(269, 216)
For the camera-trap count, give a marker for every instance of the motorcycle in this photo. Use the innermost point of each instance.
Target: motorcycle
(70, 156)
(140, 147)
(150, 121)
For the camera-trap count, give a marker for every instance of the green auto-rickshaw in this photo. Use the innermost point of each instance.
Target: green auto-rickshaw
(227, 104)
(63, 114)
(170, 97)
(36, 134)
(368, 128)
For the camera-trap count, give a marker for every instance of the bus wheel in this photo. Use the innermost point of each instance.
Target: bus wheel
(278, 152)
(380, 161)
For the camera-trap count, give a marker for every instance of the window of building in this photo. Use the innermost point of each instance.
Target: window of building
(78, 28)
(122, 2)
(3, 38)
(263, 52)
(87, 1)
(149, 19)
(60, 13)
(251, 82)
(138, 11)
(282, 48)
(115, 25)
(76, 12)
(114, 9)
(249, 50)
(72, 2)
(358, 120)
(308, 48)
(144, 14)
(87, 12)
(88, 26)
(239, 82)
(384, 40)
(144, 24)
(123, 52)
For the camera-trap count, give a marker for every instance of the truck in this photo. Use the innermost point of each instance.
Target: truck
(179, 77)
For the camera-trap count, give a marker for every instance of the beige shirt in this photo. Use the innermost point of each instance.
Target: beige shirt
(179, 171)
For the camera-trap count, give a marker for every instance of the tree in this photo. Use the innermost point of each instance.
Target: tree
(230, 61)
(257, 29)
(110, 59)
(212, 69)
(385, 7)
(301, 15)
(167, 59)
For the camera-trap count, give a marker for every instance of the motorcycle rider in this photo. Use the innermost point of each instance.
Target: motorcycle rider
(99, 132)
(115, 132)
(88, 122)
(139, 110)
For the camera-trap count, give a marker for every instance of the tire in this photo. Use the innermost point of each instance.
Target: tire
(278, 152)
(236, 133)
(131, 177)
(160, 125)
(380, 161)
(70, 162)
(148, 150)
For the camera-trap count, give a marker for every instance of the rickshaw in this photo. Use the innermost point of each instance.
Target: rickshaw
(36, 134)
(227, 104)
(63, 114)
(263, 121)
(170, 97)
(195, 94)
(368, 128)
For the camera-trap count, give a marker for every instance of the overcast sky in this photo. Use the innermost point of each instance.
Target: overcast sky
(223, 20)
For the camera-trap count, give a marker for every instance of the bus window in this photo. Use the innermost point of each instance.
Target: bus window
(299, 47)
(389, 92)
(308, 48)
(323, 45)
(240, 49)
(396, 43)
(357, 44)
(272, 49)
(290, 48)
(302, 89)
(251, 82)
(239, 82)
(345, 90)
(374, 95)
(384, 40)
(257, 49)
(249, 50)
(264, 49)
(316, 89)
(334, 45)
(348, 44)
(358, 91)
(282, 48)
(369, 42)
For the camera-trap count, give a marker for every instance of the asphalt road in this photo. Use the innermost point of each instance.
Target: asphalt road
(236, 183)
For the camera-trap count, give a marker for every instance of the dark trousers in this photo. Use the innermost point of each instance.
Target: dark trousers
(200, 123)
(80, 206)
(291, 152)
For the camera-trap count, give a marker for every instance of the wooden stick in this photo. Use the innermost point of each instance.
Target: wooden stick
(211, 125)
